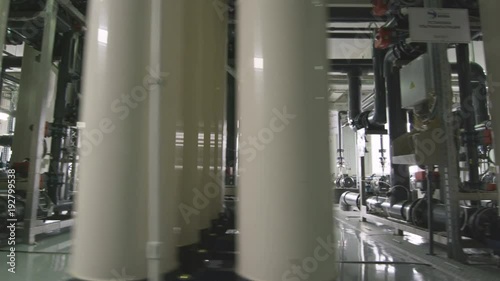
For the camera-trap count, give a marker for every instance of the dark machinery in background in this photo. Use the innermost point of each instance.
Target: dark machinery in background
(401, 85)
(58, 184)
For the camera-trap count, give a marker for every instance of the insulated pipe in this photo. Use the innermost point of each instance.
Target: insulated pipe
(478, 80)
(467, 112)
(4, 16)
(285, 208)
(116, 120)
(354, 77)
(489, 23)
(397, 116)
(379, 115)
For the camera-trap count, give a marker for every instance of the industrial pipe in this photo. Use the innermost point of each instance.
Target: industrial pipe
(348, 200)
(479, 83)
(285, 198)
(378, 117)
(354, 77)
(489, 23)
(397, 115)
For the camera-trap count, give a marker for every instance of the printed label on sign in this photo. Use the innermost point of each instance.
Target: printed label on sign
(439, 25)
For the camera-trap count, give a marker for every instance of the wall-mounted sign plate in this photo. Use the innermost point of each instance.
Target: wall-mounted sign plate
(439, 25)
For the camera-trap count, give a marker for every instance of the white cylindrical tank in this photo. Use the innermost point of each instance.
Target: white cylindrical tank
(285, 208)
(4, 15)
(489, 24)
(110, 234)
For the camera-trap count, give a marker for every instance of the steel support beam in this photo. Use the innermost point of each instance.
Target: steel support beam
(439, 67)
(489, 21)
(38, 133)
(4, 15)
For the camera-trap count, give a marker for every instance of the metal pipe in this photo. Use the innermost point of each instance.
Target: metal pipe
(489, 23)
(354, 77)
(397, 115)
(348, 200)
(277, 209)
(378, 116)
(467, 113)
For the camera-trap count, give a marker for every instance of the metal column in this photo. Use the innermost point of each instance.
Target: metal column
(489, 23)
(285, 206)
(40, 114)
(439, 67)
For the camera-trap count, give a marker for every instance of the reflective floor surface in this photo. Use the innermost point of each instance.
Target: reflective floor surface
(366, 252)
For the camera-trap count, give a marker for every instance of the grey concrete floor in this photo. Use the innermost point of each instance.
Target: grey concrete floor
(366, 252)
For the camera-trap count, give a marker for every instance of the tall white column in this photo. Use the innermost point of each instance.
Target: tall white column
(285, 208)
(110, 234)
(4, 15)
(489, 24)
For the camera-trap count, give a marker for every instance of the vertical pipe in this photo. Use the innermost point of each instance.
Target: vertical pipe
(397, 118)
(379, 115)
(113, 190)
(467, 112)
(489, 23)
(354, 76)
(285, 208)
(4, 16)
